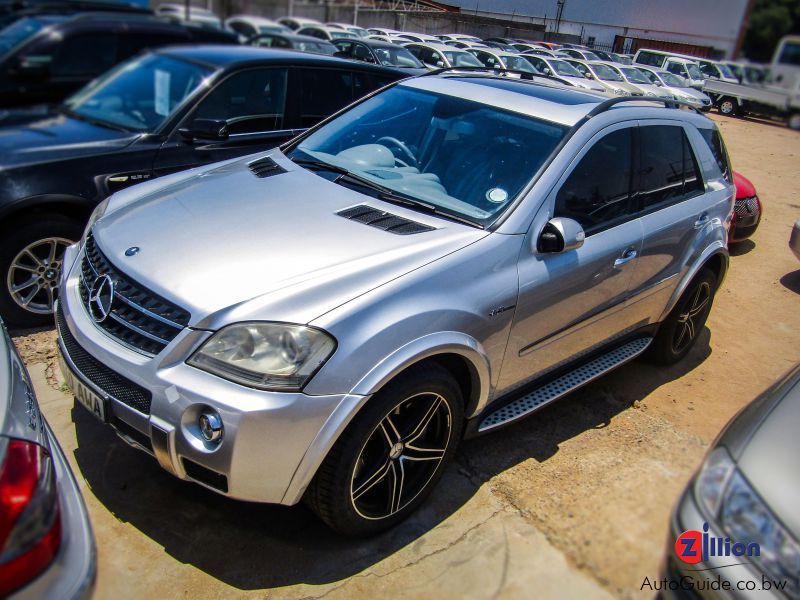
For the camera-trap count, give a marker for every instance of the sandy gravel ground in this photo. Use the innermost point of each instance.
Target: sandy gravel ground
(596, 474)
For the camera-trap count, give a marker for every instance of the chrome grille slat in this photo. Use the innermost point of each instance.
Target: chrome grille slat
(139, 318)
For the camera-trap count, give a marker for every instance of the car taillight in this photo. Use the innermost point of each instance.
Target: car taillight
(30, 523)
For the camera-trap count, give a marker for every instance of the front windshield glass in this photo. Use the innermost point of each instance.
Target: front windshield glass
(462, 59)
(338, 35)
(316, 47)
(634, 75)
(590, 55)
(606, 73)
(517, 63)
(563, 68)
(694, 71)
(140, 94)
(397, 57)
(22, 30)
(673, 80)
(458, 156)
(651, 77)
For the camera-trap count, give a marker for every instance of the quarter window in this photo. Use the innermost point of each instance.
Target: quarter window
(717, 147)
(597, 192)
(251, 101)
(668, 172)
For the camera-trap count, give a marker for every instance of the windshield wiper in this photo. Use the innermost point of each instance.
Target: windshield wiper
(382, 193)
(81, 117)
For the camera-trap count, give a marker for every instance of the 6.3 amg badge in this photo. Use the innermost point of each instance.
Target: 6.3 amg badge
(101, 296)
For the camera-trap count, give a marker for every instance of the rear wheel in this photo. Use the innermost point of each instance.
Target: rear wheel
(728, 107)
(680, 330)
(30, 266)
(392, 454)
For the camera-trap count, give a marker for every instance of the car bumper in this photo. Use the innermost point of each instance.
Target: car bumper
(716, 577)
(72, 573)
(272, 441)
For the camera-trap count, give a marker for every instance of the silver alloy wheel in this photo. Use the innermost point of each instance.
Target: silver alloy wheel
(687, 324)
(726, 107)
(401, 456)
(34, 273)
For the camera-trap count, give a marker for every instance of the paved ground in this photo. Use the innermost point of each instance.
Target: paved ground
(572, 502)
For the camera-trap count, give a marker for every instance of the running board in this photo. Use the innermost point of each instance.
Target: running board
(536, 399)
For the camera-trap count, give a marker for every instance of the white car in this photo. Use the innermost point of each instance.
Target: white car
(609, 78)
(636, 78)
(440, 56)
(324, 32)
(495, 58)
(295, 23)
(458, 37)
(561, 68)
(248, 26)
(359, 31)
(382, 31)
(678, 87)
(416, 37)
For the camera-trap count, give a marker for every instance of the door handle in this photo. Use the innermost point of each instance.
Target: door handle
(702, 221)
(626, 257)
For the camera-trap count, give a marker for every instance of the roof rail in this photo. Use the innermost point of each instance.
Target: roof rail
(606, 104)
(494, 71)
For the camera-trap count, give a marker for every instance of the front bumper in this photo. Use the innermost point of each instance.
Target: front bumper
(272, 441)
(716, 577)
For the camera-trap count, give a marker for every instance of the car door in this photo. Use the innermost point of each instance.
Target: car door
(66, 63)
(253, 104)
(572, 302)
(317, 93)
(674, 208)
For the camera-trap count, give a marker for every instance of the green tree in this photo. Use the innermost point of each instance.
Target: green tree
(769, 21)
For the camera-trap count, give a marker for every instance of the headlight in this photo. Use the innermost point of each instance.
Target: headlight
(620, 92)
(98, 212)
(267, 356)
(742, 515)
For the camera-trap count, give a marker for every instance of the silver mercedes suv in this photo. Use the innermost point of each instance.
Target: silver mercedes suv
(327, 321)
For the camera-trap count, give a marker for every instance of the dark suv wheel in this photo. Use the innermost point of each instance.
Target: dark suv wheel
(391, 455)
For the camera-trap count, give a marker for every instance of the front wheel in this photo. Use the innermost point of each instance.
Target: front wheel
(680, 330)
(30, 266)
(391, 455)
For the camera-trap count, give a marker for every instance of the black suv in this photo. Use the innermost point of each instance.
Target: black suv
(44, 58)
(164, 111)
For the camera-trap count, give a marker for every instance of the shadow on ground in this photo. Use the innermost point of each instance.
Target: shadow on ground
(740, 248)
(251, 546)
(791, 281)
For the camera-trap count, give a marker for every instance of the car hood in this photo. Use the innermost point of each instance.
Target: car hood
(584, 83)
(768, 461)
(229, 246)
(55, 137)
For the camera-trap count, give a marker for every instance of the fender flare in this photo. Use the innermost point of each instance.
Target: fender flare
(445, 342)
(22, 205)
(714, 249)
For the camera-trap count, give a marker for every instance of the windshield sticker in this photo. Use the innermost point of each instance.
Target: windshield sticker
(162, 80)
(497, 195)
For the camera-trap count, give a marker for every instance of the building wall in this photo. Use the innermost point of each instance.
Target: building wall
(702, 22)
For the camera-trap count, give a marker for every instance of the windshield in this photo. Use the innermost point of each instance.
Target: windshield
(562, 67)
(673, 80)
(139, 94)
(606, 73)
(397, 57)
(651, 77)
(22, 30)
(590, 55)
(694, 71)
(457, 156)
(517, 63)
(634, 75)
(316, 47)
(461, 59)
(338, 35)
(273, 29)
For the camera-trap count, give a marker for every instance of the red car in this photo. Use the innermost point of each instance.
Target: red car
(746, 210)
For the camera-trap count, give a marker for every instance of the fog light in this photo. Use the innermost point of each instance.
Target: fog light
(210, 426)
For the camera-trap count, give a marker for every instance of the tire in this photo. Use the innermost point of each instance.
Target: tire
(34, 273)
(727, 106)
(678, 333)
(352, 490)
(794, 121)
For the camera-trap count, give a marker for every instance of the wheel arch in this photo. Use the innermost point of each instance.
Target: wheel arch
(71, 206)
(460, 354)
(716, 258)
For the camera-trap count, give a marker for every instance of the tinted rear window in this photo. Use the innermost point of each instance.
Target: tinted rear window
(717, 147)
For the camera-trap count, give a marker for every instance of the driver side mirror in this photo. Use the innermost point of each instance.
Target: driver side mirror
(560, 235)
(588, 75)
(215, 130)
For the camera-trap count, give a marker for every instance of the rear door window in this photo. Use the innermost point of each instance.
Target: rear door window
(717, 147)
(668, 170)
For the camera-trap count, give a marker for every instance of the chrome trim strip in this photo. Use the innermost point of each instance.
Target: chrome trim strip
(143, 310)
(138, 330)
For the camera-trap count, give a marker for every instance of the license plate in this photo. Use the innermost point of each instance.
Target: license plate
(83, 394)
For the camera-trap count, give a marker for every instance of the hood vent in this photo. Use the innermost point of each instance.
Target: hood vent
(383, 220)
(265, 167)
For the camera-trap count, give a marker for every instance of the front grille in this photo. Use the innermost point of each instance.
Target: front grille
(746, 207)
(383, 220)
(139, 318)
(113, 384)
